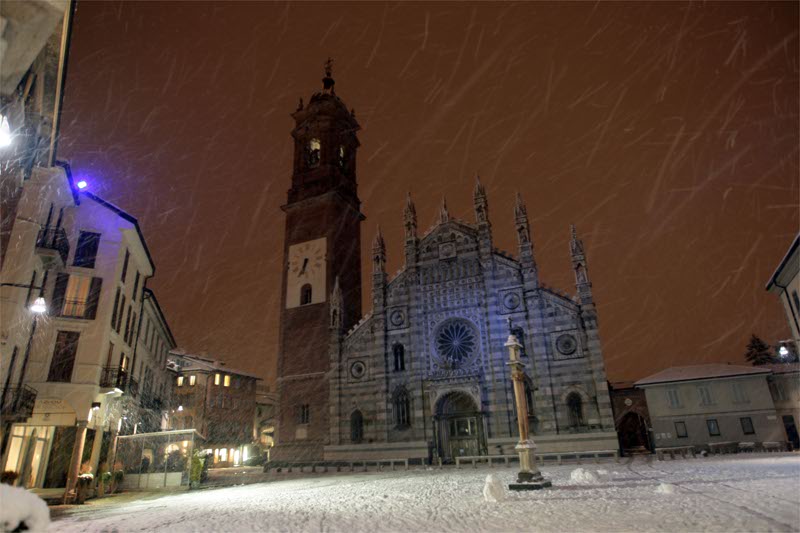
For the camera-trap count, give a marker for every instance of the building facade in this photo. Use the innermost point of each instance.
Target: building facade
(784, 384)
(423, 373)
(631, 418)
(703, 405)
(71, 373)
(218, 402)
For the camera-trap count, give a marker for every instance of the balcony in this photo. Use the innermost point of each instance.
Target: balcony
(52, 244)
(115, 377)
(75, 308)
(17, 403)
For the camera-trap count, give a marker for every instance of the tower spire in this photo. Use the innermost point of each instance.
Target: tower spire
(378, 252)
(528, 262)
(328, 81)
(410, 224)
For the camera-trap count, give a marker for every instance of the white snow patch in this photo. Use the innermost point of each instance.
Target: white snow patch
(582, 476)
(493, 489)
(18, 505)
(665, 488)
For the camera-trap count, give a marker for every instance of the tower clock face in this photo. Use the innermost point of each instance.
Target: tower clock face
(305, 280)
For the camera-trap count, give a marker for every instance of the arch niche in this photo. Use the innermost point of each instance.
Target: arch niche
(458, 426)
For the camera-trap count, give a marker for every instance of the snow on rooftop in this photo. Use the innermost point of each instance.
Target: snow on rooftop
(705, 371)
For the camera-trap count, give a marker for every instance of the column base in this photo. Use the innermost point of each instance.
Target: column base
(530, 481)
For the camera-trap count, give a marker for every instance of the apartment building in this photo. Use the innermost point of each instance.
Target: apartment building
(711, 404)
(78, 372)
(218, 402)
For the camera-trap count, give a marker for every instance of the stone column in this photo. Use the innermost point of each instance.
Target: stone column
(96, 446)
(75, 462)
(529, 477)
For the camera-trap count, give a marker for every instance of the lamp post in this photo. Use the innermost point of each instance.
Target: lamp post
(529, 477)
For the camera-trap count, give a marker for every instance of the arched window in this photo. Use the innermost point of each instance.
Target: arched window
(356, 427)
(313, 153)
(575, 409)
(305, 294)
(342, 158)
(399, 358)
(402, 408)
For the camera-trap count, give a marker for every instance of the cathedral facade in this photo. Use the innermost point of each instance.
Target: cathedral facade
(423, 374)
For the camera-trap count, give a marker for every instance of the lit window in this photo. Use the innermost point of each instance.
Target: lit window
(77, 296)
(342, 158)
(216, 379)
(305, 413)
(192, 380)
(227, 381)
(313, 154)
(180, 381)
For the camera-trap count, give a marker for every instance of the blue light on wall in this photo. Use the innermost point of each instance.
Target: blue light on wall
(82, 184)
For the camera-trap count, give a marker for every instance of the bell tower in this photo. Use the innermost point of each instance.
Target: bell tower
(322, 244)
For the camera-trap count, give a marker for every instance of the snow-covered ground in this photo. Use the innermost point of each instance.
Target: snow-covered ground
(735, 493)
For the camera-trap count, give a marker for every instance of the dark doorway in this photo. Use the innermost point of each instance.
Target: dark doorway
(458, 426)
(791, 431)
(633, 436)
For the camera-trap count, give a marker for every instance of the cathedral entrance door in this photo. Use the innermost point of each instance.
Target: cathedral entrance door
(459, 427)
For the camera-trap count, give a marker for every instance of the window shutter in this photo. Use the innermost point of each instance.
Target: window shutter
(94, 297)
(58, 293)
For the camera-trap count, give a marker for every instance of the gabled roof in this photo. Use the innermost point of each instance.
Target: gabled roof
(152, 297)
(212, 365)
(698, 372)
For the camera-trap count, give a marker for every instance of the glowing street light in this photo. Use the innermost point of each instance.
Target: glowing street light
(5, 132)
(783, 351)
(82, 184)
(39, 306)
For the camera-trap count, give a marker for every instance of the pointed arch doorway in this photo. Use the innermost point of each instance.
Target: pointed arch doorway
(458, 426)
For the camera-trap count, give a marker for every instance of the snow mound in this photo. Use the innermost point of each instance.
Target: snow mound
(665, 488)
(583, 477)
(494, 490)
(20, 506)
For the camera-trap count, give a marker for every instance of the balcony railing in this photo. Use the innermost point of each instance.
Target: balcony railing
(119, 378)
(54, 239)
(17, 403)
(75, 308)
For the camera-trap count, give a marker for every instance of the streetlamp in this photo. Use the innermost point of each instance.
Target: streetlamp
(529, 477)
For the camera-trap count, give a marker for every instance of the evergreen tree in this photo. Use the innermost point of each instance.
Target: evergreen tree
(758, 352)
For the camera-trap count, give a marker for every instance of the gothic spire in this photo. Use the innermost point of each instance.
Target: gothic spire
(336, 305)
(480, 202)
(410, 212)
(582, 283)
(378, 252)
(444, 214)
(521, 221)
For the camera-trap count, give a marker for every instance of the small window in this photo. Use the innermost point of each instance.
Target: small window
(399, 358)
(705, 395)
(216, 379)
(713, 427)
(313, 153)
(135, 286)
(125, 266)
(673, 398)
(747, 425)
(227, 381)
(680, 430)
(86, 251)
(305, 294)
(180, 381)
(342, 158)
(192, 380)
(305, 413)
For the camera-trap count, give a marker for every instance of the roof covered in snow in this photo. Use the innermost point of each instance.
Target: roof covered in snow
(706, 371)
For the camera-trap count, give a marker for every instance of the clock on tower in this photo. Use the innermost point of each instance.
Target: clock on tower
(322, 243)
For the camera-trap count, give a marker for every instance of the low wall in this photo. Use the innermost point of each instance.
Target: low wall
(561, 443)
(156, 480)
(371, 452)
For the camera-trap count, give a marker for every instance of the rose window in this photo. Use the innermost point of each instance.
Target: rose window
(456, 342)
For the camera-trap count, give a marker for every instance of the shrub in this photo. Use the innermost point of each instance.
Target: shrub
(105, 477)
(119, 475)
